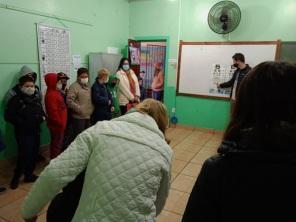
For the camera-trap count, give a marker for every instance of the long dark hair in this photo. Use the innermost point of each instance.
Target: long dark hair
(121, 62)
(266, 98)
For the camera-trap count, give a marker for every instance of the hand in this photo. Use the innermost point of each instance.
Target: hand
(112, 109)
(137, 99)
(218, 85)
(34, 219)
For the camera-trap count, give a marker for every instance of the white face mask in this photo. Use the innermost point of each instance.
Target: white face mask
(84, 81)
(28, 90)
(59, 86)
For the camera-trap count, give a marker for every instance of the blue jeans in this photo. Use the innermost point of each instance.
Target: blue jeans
(157, 95)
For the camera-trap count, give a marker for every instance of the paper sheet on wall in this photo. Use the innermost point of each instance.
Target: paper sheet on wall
(54, 51)
(76, 62)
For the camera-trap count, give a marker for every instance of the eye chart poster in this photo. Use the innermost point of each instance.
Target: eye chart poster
(54, 51)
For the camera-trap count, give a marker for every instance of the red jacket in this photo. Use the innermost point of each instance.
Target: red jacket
(56, 108)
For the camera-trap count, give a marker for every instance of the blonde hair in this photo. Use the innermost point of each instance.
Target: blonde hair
(103, 72)
(157, 111)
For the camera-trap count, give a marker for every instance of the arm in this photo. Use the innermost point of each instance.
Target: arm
(52, 110)
(159, 83)
(137, 86)
(163, 191)
(58, 174)
(229, 83)
(97, 96)
(11, 113)
(71, 99)
(124, 88)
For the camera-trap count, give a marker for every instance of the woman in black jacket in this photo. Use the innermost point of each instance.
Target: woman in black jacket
(24, 111)
(253, 178)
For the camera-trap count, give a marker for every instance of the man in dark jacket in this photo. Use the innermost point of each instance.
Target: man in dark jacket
(241, 71)
(24, 111)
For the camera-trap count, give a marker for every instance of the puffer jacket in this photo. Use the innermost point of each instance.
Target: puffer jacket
(127, 162)
(56, 108)
(252, 179)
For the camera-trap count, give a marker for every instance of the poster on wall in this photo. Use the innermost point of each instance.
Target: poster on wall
(220, 73)
(135, 55)
(54, 51)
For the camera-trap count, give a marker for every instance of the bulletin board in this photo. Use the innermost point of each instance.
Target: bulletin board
(203, 65)
(54, 51)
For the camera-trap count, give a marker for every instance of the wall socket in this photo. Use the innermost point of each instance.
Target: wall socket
(173, 109)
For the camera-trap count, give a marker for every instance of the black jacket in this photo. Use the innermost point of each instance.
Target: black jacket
(242, 73)
(247, 181)
(100, 98)
(25, 113)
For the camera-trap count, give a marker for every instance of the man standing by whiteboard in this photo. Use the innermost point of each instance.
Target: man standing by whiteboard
(241, 71)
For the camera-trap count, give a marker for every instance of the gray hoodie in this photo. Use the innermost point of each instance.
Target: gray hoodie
(25, 70)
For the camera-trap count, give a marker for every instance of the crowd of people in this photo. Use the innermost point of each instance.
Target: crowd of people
(108, 171)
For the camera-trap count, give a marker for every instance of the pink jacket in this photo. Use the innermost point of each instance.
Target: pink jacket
(157, 83)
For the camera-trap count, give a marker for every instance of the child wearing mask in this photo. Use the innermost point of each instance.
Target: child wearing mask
(24, 111)
(56, 113)
(112, 88)
(101, 98)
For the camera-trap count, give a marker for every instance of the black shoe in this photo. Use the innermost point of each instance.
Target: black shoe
(30, 179)
(2, 189)
(14, 183)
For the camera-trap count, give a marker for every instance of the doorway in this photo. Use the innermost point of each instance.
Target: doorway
(148, 61)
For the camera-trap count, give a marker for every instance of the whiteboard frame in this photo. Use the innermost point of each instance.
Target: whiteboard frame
(277, 43)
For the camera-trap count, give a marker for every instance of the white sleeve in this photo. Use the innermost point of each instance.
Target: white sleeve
(163, 190)
(138, 93)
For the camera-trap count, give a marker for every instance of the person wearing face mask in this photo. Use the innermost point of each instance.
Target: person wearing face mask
(16, 90)
(129, 90)
(24, 111)
(56, 110)
(241, 71)
(101, 98)
(79, 102)
(63, 78)
(112, 87)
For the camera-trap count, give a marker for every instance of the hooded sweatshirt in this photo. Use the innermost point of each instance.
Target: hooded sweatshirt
(25, 70)
(55, 105)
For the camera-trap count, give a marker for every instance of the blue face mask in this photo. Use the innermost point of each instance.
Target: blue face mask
(125, 67)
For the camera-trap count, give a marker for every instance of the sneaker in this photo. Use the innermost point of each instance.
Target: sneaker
(14, 183)
(30, 179)
(2, 189)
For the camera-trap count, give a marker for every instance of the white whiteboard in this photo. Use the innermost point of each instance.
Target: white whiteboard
(54, 51)
(202, 65)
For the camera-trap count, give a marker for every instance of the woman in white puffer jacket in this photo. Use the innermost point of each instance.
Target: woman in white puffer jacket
(127, 162)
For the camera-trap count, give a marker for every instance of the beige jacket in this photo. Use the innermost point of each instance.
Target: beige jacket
(124, 93)
(79, 101)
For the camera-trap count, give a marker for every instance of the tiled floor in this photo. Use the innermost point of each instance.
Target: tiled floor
(191, 148)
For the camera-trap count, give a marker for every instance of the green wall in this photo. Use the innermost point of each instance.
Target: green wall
(187, 20)
(108, 19)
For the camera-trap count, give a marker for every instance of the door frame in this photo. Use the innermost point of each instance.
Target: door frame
(166, 69)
